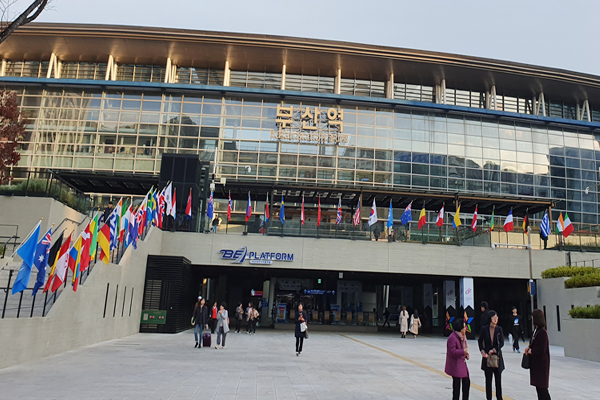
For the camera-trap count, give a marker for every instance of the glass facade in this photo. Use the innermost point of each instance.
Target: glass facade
(399, 149)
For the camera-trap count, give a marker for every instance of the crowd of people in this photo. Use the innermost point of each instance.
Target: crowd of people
(536, 356)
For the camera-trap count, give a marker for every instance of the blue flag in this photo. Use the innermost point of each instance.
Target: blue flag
(27, 253)
(282, 212)
(210, 207)
(545, 227)
(41, 260)
(390, 219)
(406, 215)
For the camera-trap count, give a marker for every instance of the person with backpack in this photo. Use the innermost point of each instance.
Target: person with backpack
(200, 321)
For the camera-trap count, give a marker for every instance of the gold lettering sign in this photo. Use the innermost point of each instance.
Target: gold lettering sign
(306, 124)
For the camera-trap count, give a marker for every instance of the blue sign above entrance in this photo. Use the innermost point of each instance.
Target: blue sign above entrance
(254, 257)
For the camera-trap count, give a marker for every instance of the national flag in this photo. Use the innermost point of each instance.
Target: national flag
(560, 224)
(229, 208)
(139, 223)
(302, 211)
(104, 243)
(508, 223)
(174, 205)
(568, 226)
(439, 221)
(474, 223)
(188, 208)
(76, 251)
(86, 242)
(248, 208)
(267, 214)
(53, 259)
(492, 221)
(74, 254)
(62, 265)
(390, 218)
(150, 207)
(94, 233)
(41, 260)
(406, 215)
(282, 211)
(123, 222)
(422, 218)
(133, 229)
(27, 252)
(168, 195)
(319, 212)
(161, 209)
(210, 206)
(356, 218)
(118, 211)
(526, 223)
(114, 233)
(545, 227)
(456, 221)
(338, 218)
(373, 215)
(155, 207)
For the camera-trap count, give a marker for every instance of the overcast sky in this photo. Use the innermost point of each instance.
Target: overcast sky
(562, 34)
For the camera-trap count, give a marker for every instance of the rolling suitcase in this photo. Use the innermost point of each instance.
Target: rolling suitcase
(206, 338)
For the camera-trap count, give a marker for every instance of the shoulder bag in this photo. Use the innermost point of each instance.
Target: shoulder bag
(525, 360)
(492, 361)
(303, 327)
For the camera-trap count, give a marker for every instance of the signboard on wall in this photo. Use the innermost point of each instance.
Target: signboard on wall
(281, 309)
(309, 125)
(467, 298)
(450, 294)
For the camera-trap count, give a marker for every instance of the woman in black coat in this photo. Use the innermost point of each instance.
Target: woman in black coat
(539, 357)
(491, 341)
(301, 317)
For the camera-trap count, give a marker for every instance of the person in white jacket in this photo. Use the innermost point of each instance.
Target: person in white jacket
(222, 325)
(415, 324)
(403, 321)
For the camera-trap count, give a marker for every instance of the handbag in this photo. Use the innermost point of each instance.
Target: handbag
(492, 361)
(303, 327)
(525, 361)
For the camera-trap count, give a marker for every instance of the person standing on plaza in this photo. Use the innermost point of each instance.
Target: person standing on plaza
(485, 314)
(222, 325)
(415, 324)
(386, 315)
(517, 330)
(200, 321)
(107, 212)
(213, 317)
(255, 316)
(215, 224)
(539, 357)
(249, 316)
(457, 355)
(491, 341)
(403, 321)
(300, 331)
(239, 316)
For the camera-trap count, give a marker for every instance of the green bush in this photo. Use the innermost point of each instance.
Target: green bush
(560, 272)
(585, 312)
(587, 280)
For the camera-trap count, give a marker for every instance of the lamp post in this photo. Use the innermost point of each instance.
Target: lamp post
(530, 274)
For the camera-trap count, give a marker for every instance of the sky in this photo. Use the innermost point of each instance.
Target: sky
(550, 33)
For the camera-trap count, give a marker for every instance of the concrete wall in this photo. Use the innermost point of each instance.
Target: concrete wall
(581, 339)
(348, 255)
(77, 319)
(27, 211)
(552, 293)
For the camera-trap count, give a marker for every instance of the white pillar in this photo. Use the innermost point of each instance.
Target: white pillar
(390, 87)
(51, 65)
(3, 69)
(57, 69)
(493, 99)
(283, 70)
(226, 74)
(109, 68)
(168, 71)
(113, 77)
(173, 73)
(542, 104)
(440, 92)
(338, 81)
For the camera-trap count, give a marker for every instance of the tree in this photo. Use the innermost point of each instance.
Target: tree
(31, 13)
(12, 129)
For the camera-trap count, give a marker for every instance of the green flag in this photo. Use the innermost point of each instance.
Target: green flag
(492, 222)
(94, 232)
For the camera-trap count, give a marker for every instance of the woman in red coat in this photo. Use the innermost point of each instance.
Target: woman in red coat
(456, 360)
(539, 357)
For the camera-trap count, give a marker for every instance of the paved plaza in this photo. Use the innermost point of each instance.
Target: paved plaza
(264, 366)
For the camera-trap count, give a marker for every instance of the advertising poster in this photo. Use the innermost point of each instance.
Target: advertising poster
(281, 309)
(336, 310)
(360, 317)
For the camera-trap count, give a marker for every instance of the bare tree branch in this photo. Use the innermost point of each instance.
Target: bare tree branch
(31, 13)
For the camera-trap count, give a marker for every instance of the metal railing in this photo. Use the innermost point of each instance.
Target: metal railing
(47, 184)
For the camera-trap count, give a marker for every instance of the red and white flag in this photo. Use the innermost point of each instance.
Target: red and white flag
(439, 221)
(474, 223)
(319, 213)
(173, 206)
(62, 264)
(229, 207)
(188, 208)
(508, 223)
(302, 211)
(356, 219)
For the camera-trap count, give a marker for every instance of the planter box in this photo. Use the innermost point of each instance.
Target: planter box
(581, 339)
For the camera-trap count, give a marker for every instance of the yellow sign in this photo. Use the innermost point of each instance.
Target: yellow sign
(303, 124)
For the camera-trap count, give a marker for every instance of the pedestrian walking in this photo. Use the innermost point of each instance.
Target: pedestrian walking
(301, 327)
(376, 234)
(215, 224)
(255, 316)
(213, 317)
(386, 315)
(403, 321)
(222, 325)
(239, 316)
(249, 316)
(539, 357)
(517, 330)
(491, 341)
(200, 321)
(484, 320)
(457, 354)
(415, 324)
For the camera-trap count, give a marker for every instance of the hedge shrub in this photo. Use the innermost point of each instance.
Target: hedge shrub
(587, 280)
(560, 272)
(585, 312)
